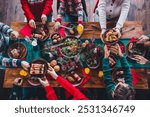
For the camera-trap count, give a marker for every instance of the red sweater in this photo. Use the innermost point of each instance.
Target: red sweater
(34, 10)
(77, 95)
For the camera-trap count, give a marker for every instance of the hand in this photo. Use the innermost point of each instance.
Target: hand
(140, 59)
(44, 82)
(102, 33)
(25, 65)
(57, 25)
(18, 81)
(143, 38)
(32, 23)
(118, 31)
(52, 72)
(106, 52)
(44, 19)
(14, 35)
(119, 51)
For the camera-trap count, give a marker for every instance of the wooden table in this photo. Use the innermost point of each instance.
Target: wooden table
(94, 81)
(96, 33)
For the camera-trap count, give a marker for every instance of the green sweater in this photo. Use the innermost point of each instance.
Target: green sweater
(110, 85)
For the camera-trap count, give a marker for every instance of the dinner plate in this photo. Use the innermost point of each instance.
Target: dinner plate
(21, 50)
(38, 30)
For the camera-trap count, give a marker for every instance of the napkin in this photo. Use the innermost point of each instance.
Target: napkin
(135, 77)
(26, 31)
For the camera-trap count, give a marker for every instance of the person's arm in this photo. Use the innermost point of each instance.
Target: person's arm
(102, 13)
(148, 36)
(26, 10)
(61, 10)
(107, 76)
(71, 89)
(126, 68)
(5, 29)
(9, 62)
(80, 11)
(50, 93)
(48, 7)
(124, 13)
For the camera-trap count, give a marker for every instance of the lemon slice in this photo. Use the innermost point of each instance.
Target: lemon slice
(100, 74)
(23, 73)
(87, 70)
(80, 29)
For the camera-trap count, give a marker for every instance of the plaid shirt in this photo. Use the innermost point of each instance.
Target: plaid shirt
(34, 1)
(73, 8)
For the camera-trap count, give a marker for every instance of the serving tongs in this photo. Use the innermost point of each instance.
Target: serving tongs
(66, 27)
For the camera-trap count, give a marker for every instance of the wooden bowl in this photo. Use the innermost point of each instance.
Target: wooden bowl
(22, 50)
(33, 80)
(38, 30)
(54, 38)
(111, 42)
(134, 50)
(39, 61)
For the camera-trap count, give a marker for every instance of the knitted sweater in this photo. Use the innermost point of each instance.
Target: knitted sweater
(77, 95)
(109, 10)
(5, 30)
(110, 85)
(33, 9)
(9, 62)
(72, 7)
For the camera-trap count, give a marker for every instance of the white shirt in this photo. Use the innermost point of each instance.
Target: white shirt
(108, 10)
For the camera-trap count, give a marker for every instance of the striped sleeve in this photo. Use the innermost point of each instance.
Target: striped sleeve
(61, 10)
(9, 62)
(80, 11)
(5, 29)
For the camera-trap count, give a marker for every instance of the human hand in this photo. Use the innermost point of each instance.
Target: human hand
(32, 23)
(44, 19)
(57, 25)
(119, 50)
(143, 38)
(18, 81)
(102, 33)
(52, 72)
(140, 59)
(106, 52)
(118, 32)
(44, 82)
(25, 65)
(14, 35)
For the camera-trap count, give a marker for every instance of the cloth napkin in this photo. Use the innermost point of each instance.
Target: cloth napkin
(26, 31)
(135, 77)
